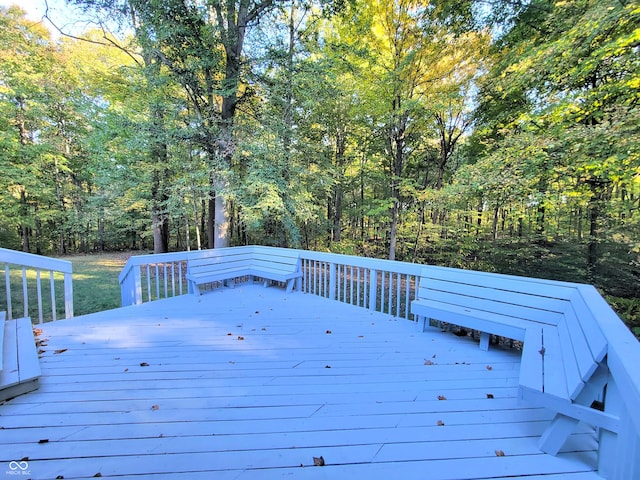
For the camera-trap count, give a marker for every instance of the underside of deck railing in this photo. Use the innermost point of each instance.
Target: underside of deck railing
(389, 287)
(36, 286)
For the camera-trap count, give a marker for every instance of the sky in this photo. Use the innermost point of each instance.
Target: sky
(62, 14)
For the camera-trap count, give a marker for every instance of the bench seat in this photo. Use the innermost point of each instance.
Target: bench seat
(563, 355)
(227, 265)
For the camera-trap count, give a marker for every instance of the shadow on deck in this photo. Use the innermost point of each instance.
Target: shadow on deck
(253, 383)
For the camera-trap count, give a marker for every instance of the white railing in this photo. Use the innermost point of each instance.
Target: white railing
(389, 287)
(29, 273)
(380, 285)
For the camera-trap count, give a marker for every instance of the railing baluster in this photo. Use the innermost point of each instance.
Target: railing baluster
(148, 282)
(7, 279)
(157, 270)
(25, 293)
(399, 294)
(39, 295)
(52, 286)
(373, 289)
(382, 291)
(166, 290)
(359, 280)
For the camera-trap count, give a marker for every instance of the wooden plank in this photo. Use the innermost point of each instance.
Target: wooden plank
(494, 323)
(532, 361)
(571, 362)
(555, 382)
(497, 291)
(528, 285)
(262, 406)
(579, 344)
(589, 325)
(9, 375)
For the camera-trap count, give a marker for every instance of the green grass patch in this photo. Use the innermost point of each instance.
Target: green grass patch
(95, 281)
(95, 288)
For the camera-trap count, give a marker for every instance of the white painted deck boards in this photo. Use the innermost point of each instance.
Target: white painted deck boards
(211, 405)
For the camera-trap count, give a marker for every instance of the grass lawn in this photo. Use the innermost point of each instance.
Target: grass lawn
(95, 281)
(95, 287)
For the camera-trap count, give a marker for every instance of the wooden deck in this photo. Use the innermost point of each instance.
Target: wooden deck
(252, 383)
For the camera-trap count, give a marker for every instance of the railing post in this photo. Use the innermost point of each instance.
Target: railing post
(332, 280)
(68, 295)
(373, 289)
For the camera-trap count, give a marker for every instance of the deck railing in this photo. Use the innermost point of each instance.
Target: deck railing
(380, 285)
(389, 287)
(34, 275)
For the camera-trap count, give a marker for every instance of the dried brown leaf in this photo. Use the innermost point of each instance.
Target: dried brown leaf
(428, 362)
(489, 367)
(155, 407)
(37, 331)
(144, 364)
(440, 423)
(240, 337)
(62, 350)
(44, 440)
(318, 461)
(328, 332)
(490, 395)
(499, 453)
(441, 397)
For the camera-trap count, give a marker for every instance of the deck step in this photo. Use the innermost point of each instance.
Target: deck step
(21, 367)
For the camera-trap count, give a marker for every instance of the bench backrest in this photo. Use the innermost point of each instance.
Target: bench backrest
(246, 258)
(536, 301)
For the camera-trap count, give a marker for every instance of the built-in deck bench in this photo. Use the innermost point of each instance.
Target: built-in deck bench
(19, 364)
(563, 355)
(226, 265)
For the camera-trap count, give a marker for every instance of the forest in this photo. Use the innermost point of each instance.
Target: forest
(498, 135)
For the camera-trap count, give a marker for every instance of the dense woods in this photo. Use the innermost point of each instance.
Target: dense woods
(489, 134)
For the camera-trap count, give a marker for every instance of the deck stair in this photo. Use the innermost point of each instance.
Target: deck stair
(19, 364)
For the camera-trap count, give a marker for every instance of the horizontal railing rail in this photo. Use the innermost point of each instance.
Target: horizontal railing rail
(27, 277)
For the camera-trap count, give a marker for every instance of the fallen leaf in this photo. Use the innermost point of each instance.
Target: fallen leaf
(318, 461)
(327, 366)
(40, 352)
(37, 331)
(489, 367)
(240, 337)
(144, 364)
(434, 356)
(361, 336)
(428, 362)
(229, 334)
(264, 329)
(490, 395)
(441, 397)
(328, 332)
(440, 423)
(499, 453)
(97, 475)
(155, 407)
(126, 369)
(59, 477)
(257, 311)
(44, 440)
(62, 350)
